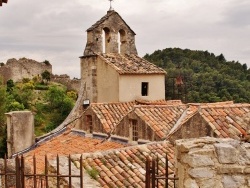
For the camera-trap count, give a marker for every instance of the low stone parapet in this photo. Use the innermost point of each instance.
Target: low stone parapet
(210, 162)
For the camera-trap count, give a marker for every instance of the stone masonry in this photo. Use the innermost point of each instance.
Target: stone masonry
(210, 162)
(23, 68)
(71, 84)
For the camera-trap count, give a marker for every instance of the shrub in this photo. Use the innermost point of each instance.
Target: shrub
(93, 173)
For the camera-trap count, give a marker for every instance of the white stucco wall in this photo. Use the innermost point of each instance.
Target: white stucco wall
(130, 87)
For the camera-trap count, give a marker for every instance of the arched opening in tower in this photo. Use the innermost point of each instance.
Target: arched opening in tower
(106, 40)
(122, 41)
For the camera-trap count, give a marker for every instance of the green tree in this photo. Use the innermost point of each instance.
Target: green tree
(46, 62)
(59, 105)
(10, 85)
(46, 76)
(210, 78)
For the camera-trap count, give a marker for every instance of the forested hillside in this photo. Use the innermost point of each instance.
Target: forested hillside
(200, 76)
(50, 103)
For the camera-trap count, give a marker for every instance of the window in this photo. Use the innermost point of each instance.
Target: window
(144, 88)
(89, 123)
(134, 130)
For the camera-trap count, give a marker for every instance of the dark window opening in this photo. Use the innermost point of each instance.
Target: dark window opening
(144, 88)
(89, 123)
(134, 130)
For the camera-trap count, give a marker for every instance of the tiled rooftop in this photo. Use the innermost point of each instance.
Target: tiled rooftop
(68, 143)
(161, 118)
(227, 120)
(110, 114)
(126, 167)
(130, 64)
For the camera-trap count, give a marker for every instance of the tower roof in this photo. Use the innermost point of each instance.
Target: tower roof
(130, 64)
(107, 16)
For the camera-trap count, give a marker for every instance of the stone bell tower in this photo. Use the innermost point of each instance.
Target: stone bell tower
(110, 34)
(111, 70)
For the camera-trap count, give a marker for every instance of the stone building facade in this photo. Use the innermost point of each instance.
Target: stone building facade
(111, 70)
(23, 68)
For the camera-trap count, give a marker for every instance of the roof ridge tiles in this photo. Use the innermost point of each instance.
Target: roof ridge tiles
(142, 147)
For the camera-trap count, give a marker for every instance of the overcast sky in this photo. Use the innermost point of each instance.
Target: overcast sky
(55, 30)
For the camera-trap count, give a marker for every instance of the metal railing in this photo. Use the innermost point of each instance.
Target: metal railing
(153, 176)
(19, 178)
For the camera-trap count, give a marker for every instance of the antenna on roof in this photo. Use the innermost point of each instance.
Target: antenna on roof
(111, 8)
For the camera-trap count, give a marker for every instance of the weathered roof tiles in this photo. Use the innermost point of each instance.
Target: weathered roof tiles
(130, 64)
(68, 143)
(228, 120)
(126, 167)
(110, 114)
(161, 118)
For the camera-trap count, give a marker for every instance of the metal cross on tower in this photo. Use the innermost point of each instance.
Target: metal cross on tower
(111, 8)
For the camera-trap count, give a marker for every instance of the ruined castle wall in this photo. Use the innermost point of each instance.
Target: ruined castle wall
(65, 80)
(5, 73)
(23, 68)
(210, 162)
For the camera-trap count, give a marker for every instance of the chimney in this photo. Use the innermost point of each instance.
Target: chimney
(20, 131)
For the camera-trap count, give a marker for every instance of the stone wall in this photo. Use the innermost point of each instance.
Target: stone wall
(65, 80)
(210, 162)
(22, 68)
(195, 127)
(20, 131)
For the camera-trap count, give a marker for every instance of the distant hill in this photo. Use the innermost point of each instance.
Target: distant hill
(200, 76)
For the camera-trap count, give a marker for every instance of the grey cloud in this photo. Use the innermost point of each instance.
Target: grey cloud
(56, 30)
(238, 15)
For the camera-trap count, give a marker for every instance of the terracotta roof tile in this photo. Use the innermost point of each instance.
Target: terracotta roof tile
(130, 64)
(228, 118)
(225, 118)
(161, 118)
(130, 174)
(67, 144)
(110, 114)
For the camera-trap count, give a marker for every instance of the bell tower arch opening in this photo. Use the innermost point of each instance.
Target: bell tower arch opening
(122, 41)
(106, 39)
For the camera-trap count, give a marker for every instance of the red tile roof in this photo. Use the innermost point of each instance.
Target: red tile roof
(126, 167)
(68, 143)
(227, 120)
(110, 114)
(130, 64)
(161, 118)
